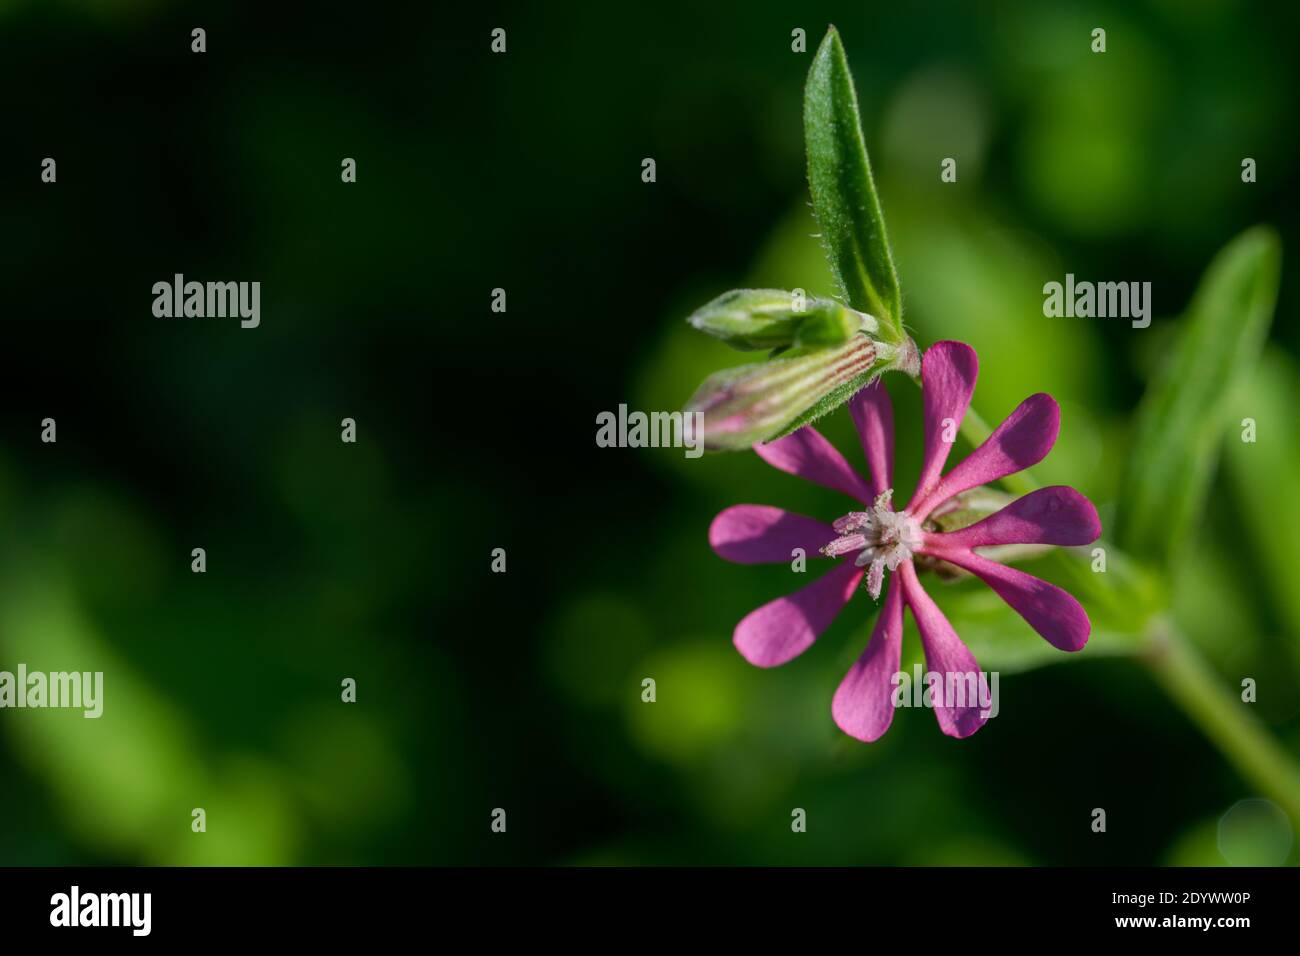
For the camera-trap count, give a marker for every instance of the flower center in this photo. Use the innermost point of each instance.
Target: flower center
(884, 539)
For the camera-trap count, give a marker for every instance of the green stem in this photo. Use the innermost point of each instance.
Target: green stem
(1224, 718)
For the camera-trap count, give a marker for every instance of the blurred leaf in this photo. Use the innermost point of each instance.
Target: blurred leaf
(344, 765)
(843, 193)
(701, 697)
(1255, 471)
(1123, 598)
(126, 782)
(966, 850)
(1255, 832)
(1212, 603)
(1002, 641)
(1182, 416)
(976, 275)
(1197, 846)
(588, 667)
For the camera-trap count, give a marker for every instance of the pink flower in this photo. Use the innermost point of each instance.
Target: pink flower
(870, 542)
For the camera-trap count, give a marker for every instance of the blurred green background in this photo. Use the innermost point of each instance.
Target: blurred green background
(372, 561)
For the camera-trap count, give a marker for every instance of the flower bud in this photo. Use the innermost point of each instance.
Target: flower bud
(750, 319)
(753, 403)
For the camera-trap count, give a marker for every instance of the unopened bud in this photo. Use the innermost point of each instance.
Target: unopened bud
(753, 403)
(750, 319)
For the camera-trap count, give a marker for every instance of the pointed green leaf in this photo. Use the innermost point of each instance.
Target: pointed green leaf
(843, 193)
(1262, 453)
(1185, 410)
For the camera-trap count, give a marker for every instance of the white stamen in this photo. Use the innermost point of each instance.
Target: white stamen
(850, 542)
(883, 537)
(851, 522)
(876, 579)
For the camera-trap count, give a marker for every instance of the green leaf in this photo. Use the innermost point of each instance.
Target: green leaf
(1120, 603)
(1261, 472)
(843, 193)
(1002, 641)
(750, 319)
(1185, 410)
(1123, 599)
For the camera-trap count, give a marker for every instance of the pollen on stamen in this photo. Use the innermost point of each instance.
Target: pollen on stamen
(852, 521)
(876, 579)
(853, 542)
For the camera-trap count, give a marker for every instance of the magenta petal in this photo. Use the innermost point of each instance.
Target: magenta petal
(1054, 515)
(948, 372)
(964, 692)
(864, 703)
(874, 416)
(761, 534)
(1049, 610)
(1022, 440)
(809, 455)
(781, 630)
